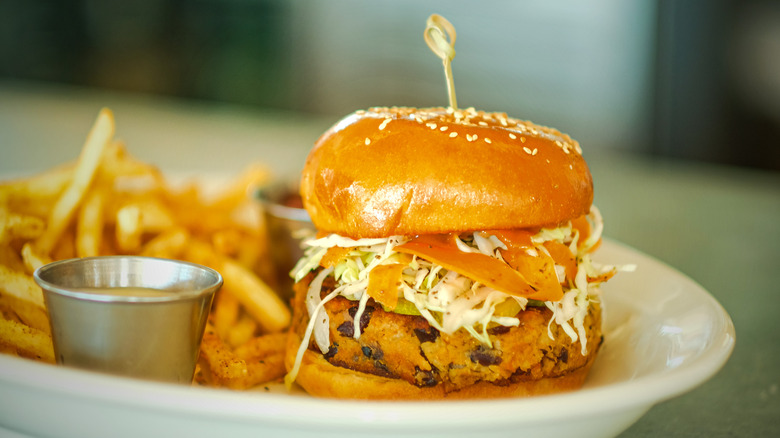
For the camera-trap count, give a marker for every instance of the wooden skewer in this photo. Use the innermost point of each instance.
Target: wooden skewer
(440, 37)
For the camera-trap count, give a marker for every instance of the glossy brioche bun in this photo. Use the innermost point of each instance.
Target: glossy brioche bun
(389, 171)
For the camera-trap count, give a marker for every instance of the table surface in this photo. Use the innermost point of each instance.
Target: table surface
(718, 225)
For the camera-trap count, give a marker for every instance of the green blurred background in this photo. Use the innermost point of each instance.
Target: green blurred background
(694, 79)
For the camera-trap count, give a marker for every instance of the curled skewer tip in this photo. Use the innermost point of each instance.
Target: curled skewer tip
(440, 36)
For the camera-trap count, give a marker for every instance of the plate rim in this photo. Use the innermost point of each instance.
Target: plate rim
(253, 406)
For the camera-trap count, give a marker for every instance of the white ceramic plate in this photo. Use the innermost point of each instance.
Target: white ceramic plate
(664, 335)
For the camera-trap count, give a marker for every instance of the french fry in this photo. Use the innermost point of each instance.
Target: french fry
(264, 357)
(242, 331)
(224, 313)
(107, 203)
(10, 258)
(59, 218)
(25, 312)
(66, 246)
(20, 294)
(262, 370)
(227, 242)
(261, 346)
(24, 341)
(32, 258)
(45, 185)
(129, 228)
(168, 244)
(20, 286)
(251, 255)
(35, 195)
(118, 163)
(239, 190)
(155, 216)
(89, 224)
(260, 361)
(19, 226)
(219, 365)
(8, 312)
(258, 299)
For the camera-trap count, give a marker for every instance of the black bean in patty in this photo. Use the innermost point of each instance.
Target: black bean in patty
(364, 319)
(346, 329)
(332, 351)
(425, 378)
(485, 356)
(426, 335)
(564, 355)
(498, 330)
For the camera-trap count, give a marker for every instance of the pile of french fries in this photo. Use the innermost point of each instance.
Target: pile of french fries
(109, 203)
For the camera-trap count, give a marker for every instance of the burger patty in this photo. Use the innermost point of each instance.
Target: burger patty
(407, 347)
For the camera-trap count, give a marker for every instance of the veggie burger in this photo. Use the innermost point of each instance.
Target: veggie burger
(452, 259)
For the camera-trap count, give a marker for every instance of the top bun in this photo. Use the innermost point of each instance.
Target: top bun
(409, 171)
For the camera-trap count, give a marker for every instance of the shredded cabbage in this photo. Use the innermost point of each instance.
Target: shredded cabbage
(319, 317)
(447, 300)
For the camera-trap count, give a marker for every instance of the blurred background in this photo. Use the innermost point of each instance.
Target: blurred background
(695, 79)
(675, 102)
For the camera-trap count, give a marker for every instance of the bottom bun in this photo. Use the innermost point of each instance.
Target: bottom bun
(322, 379)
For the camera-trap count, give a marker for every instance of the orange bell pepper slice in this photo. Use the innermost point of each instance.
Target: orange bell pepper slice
(383, 284)
(442, 249)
